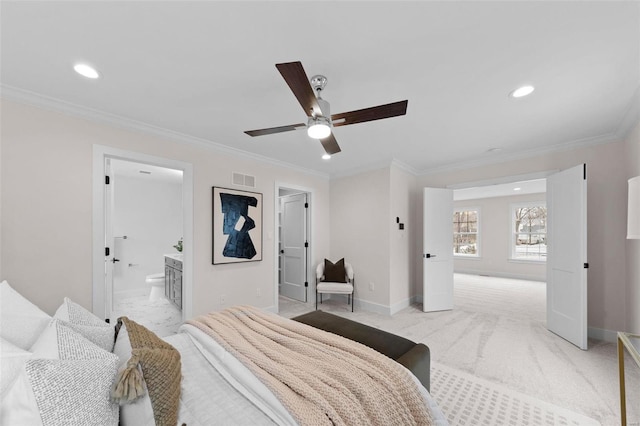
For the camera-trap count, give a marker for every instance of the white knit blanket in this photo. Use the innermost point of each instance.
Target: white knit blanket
(321, 378)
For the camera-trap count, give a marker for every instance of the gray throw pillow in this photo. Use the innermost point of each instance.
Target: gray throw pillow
(335, 272)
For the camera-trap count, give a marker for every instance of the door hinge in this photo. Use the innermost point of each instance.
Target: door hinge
(584, 171)
(306, 244)
(306, 205)
(106, 251)
(306, 283)
(586, 266)
(106, 180)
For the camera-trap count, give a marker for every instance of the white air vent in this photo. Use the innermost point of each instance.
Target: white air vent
(243, 180)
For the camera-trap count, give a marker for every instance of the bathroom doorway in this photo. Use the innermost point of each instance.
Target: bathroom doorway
(143, 211)
(146, 227)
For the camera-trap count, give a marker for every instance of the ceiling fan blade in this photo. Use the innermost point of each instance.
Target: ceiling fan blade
(330, 145)
(271, 130)
(298, 82)
(369, 114)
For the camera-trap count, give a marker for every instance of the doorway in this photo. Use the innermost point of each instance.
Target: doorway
(145, 217)
(293, 243)
(566, 290)
(125, 245)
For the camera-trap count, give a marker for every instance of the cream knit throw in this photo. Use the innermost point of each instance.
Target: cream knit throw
(320, 377)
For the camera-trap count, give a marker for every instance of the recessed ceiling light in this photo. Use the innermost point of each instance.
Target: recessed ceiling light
(522, 91)
(517, 189)
(326, 156)
(86, 71)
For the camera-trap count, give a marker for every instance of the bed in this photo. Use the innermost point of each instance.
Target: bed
(72, 374)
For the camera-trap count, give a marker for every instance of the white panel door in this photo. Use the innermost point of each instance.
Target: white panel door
(437, 255)
(293, 251)
(567, 255)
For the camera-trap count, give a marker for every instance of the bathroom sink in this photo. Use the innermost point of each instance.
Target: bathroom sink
(176, 256)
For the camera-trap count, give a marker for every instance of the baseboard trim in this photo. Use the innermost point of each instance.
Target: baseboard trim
(398, 306)
(602, 334)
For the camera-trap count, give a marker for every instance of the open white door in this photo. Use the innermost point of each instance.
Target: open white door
(567, 255)
(438, 250)
(293, 240)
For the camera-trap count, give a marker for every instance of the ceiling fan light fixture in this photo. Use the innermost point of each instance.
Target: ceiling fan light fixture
(318, 128)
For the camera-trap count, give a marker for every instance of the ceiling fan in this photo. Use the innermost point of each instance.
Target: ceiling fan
(320, 121)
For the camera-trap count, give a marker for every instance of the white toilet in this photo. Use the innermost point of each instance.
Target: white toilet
(156, 282)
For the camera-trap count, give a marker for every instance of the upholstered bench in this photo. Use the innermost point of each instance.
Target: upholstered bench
(414, 356)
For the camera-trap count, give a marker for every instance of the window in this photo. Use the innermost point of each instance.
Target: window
(465, 232)
(529, 232)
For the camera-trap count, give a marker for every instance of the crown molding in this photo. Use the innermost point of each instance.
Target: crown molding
(521, 155)
(626, 124)
(57, 105)
(405, 167)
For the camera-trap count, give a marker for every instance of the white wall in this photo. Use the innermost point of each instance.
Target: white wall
(402, 248)
(606, 211)
(360, 233)
(46, 214)
(632, 155)
(149, 213)
(495, 240)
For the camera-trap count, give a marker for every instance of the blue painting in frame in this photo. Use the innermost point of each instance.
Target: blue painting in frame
(237, 226)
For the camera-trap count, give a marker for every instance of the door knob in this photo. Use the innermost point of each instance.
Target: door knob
(114, 260)
(429, 255)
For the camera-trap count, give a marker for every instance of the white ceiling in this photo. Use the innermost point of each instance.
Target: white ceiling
(204, 72)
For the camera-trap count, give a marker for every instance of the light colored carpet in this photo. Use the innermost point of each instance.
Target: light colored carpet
(497, 332)
(469, 400)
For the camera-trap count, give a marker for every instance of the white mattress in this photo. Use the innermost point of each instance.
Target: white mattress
(218, 389)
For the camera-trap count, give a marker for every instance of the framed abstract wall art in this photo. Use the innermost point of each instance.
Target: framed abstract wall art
(237, 226)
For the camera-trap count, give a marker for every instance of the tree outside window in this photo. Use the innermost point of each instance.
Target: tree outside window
(529, 232)
(465, 232)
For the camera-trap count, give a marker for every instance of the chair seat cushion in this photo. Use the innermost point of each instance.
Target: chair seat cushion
(331, 287)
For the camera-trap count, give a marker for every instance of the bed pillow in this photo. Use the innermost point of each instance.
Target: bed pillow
(335, 272)
(13, 359)
(148, 385)
(21, 322)
(138, 412)
(86, 323)
(67, 380)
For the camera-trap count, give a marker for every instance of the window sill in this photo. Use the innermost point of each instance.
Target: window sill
(466, 257)
(533, 262)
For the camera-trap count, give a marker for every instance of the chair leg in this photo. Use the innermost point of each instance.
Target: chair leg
(351, 302)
